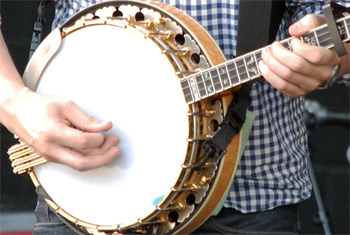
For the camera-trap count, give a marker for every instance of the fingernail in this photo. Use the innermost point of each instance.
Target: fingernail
(105, 122)
(116, 141)
(266, 51)
(293, 42)
(263, 68)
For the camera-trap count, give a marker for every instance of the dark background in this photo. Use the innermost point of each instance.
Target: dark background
(328, 141)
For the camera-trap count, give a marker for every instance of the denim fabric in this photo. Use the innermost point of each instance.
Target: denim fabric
(282, 220)
(47, 221)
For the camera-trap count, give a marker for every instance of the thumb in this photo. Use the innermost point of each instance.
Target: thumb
(82, 121)
(306, 24)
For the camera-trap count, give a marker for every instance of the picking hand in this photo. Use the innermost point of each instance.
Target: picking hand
(60, 132)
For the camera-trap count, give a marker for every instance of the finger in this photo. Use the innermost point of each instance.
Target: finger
(83, 121)
(75, 139)
(314, 54)
(291, 72)
(280, 84)
(304, 25)
(315, 63)
(97, 160)
(79, 161)
(294, 62)
(109, 141)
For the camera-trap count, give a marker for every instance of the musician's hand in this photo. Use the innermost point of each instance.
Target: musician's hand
(303, 69)
(60, 132)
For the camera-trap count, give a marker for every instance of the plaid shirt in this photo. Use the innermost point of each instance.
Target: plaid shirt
(273, 170)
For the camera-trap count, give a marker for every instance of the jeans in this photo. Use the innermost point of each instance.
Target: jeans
(281, 220)
(47, 221)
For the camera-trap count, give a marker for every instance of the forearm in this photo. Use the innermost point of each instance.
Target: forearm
(10, 81)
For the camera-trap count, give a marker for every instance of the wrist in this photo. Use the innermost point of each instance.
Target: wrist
(10, 104)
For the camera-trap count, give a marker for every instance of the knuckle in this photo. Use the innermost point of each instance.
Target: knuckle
(296, 45)
(313, 20)
(310, 87)
(297, 65)
(289, 74)
(317, 57)
(282, 86)
(89, 120)
(68, 104)
(325, 76)
(80, 169)
(108, 159)
(44, 151)
(78, 166)
(41, 143)
(83, 142)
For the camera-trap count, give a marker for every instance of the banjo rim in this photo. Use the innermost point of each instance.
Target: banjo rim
(224, 175)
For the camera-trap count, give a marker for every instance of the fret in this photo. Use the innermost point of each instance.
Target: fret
(258, 55)
(310, 39)
(251, 66)
(242, 70)
(194, 88)
(187, 90)
(201, 85)
(208, 83)
(286, 44)
(214, 73)
(346, 28)
(224, 76)
(245, 68)
(289, 45)
(324, 37)
(233, 74)
(316, 39)
(341, 31)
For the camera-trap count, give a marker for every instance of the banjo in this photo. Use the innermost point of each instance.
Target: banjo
(168, 87)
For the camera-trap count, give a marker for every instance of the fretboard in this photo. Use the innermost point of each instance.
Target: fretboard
(245, 68)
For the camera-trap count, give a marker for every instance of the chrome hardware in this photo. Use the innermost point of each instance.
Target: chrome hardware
(192, 188)
(149, 222)
(169, 208)
(182, 52)
(186, 72)
(166, 34)
(147, 23)
(113, 18)
(198, 139)
(205, 113)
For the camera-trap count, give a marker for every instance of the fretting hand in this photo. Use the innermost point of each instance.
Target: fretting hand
(305, 67)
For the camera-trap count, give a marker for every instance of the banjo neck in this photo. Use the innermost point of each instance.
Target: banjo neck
(245, 68)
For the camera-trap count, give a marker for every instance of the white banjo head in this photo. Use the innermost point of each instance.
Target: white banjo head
(123, 61)
(119, 75)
